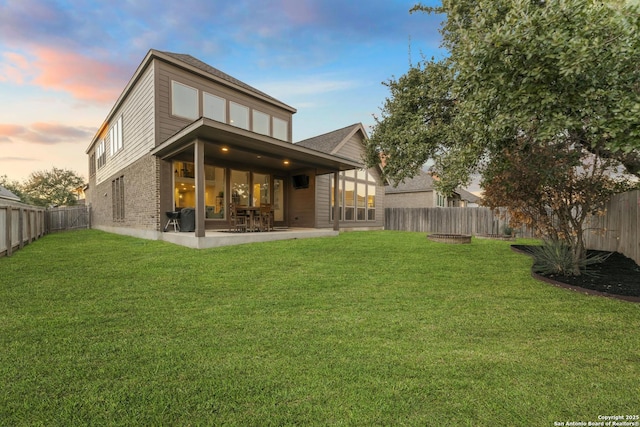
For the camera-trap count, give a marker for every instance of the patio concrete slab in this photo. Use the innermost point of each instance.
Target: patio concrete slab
(214, 239)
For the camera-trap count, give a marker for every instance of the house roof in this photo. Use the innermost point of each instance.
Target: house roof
(419, 183)
(468, 196)
(330, 142)
(423, 182)
(8, 195)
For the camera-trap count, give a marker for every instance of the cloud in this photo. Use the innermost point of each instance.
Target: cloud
(44, 133)
(84, 78)
(17, 159)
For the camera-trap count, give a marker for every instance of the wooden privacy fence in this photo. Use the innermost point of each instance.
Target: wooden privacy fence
(68, 218)
(20, 225)
(618, 230)
(471, 221)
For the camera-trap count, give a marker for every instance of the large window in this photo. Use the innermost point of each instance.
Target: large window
(239, 115)
(184, 101)
(280, 129)
(261, 122)
(215, 107)
(356, 196)
(185, 189)
(115, 136)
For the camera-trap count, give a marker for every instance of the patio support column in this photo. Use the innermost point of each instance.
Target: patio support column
(336, 201)
(198, 156)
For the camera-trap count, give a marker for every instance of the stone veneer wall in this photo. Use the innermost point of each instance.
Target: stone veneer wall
(142, 204)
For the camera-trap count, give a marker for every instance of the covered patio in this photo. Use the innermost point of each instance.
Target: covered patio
(209, 142)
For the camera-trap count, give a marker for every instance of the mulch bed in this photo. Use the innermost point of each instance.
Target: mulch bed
(617, 277)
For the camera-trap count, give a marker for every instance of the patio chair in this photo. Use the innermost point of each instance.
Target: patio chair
(266, 218)
(237, 220)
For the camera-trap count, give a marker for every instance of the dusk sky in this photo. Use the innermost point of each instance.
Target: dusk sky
(64, 63)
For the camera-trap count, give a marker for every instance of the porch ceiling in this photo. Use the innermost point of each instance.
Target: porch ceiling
(247, 148)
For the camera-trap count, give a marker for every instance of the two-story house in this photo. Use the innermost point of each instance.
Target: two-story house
(185, 135)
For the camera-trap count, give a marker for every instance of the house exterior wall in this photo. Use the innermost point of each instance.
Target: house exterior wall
(323, 206)
(138, 134)
(140, 197)
(302, 202)
(418, 199)
(168, 124)
(351, 148)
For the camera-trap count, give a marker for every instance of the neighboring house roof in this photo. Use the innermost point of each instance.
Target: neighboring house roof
(8, 195)
(331, 142)
(419, 183)
(468, 196)
(423, 182)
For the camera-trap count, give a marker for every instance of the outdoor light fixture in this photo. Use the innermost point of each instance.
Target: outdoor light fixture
(286, 162)
(225, 149)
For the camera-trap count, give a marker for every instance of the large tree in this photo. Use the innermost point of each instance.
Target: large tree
(541, 97)
(52, 187)
(516, 67)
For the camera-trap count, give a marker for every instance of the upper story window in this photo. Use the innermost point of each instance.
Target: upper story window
(101, 154)
(115, 136)
(280, 129)
(261, 122)
(184, 101)
(215, 107)
(239, 115)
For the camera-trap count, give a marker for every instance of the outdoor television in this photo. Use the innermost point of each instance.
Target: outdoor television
(300, 181)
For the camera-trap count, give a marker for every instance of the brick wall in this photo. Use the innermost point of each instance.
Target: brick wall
(142, 206)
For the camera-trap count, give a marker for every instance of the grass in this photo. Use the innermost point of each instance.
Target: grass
(369, 328)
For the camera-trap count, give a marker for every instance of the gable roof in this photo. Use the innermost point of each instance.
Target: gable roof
(419, 183)
(8, 195)
(331, 142)
(468, 196)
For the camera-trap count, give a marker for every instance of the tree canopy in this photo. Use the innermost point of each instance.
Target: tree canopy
(52, 187)
(543, 69)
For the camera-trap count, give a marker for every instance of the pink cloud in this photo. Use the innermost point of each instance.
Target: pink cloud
(84, 78)
(14, 68)
(44, 133)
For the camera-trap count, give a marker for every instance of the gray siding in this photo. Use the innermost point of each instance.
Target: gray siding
(352, 148)
(302, 204)
(138, 137)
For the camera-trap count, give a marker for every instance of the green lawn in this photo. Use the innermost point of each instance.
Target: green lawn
(369, 328)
